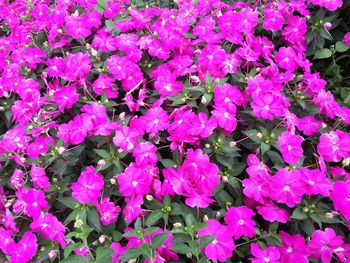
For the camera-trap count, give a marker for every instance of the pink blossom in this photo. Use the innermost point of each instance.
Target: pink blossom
(25, 249)
(83, 251)
(145, 153)
(346, 39)
(202, 126)
(267, 106)
(105, 85)
(17, 180)
(156, 119)
(323, 244)
(88, 187)
(37, 147)
(134, 181)
(334, 146)
(341, 198)
(293, 248)
(65, 97)
(226, 117)
(167, 85)
(222, 246)
(31, 202)
(125, 138)
(39, 178)
(132, 209)
(290, 146)
(77, 26)
(286, 58)
(8, 221)
(315, 181)
(6, 241)
(239, 221)
(308, 125)
(270, 254)
(271, 212)
(108, 211)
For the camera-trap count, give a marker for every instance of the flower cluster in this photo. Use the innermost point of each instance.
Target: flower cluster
(195, 131)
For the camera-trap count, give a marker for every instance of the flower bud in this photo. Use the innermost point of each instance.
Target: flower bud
(149, 197)
(177, 225)
(61, 150)
(52, 254)
(113, 181)
(329, 215)
(327, 25)
(232, 144)
(188, 255)
(218, 213)
(259, 135)
(205, 218)
(102, 239)
(101, 163)
(346, 162)
(224, 179)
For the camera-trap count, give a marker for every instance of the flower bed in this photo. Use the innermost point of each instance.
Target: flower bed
(184, 133)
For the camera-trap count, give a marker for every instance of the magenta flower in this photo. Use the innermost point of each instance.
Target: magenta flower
(334, 146)
(50, 228)
(346, 39)
(6, 241)
(267, 106)
(239, 221)
(341, 197)
(226, 117)
(290, 146)
(83, 251)
(88, 187)
(134, 181)
(222, 246)
(145, 153)
(108, 211)
(272, 213)
(132, 209)
(39, 178)
(37, 147)
(315, 182)
(77, 27)
(8, 221)
(65, 97)
(156, 119)
(270, 255)
(167, 85)
(17, 180)
(25, 249)
(293, 248)
(201, 126)
(286, 58)
(323, 244)
(308, 125)
(287, 187)
(31, 202)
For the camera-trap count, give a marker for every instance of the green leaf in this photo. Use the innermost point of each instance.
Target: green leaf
(159, 239)
(181, 248)
(103, 3)
(190, 220)
(238, 168)
(69, 202)
(103, 154)
(146, 250)
(167, 162)
(154, 217)
(264, 148)
(205, 240)
(341, 47)
(150, 230)
(94, 219)
(76, 259)
(323, 53)
(99, 9)
(104, 254)
(109, 25)
(117, 236)
(299, 214)
(131, 253)
(69, 248)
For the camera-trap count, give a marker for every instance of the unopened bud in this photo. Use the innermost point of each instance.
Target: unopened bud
(324, 126)
(122, 115)
(259, 135)
(327, 25)
(205, 218)
(204, 100)
(177, 225)
(329, 215)
(232, 144)
(113, 181)
(102, 239)
(224, 179)
(207, 145)
(52, 254)
(78, 223)
(346, 162)
(61, 150)
(2, 108)
(218, 213)
(101, 163)
(188, 255)
(149, 197)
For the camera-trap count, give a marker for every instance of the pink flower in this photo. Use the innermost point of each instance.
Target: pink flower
(37, 147)
(78, 66)
(226, 117)
(106, 85)
(287, 187)
(6, 241)
(201, 126)
(270, 255)
(341, 198)
(226, 94)
(25, 249)
(239, 221)
(108, 211)
(334, 146)
(267, 106)
(83, 251)
(271, 212)
(50, 228)
(293, 248)
(39, 178)
(145, 153)
(132, 209)
(222, 246)
(323, 244)
(330, 5)
(17, 179)
(167, 85)
(77, 26)
(31, 202)
(88, 187)
(308, 125)
(134, 181)
(8, 221)
(156, 119)
(315, 182)
(346, 39)
(125, 138)
(290, 146)
(286, 58)
(65, 97)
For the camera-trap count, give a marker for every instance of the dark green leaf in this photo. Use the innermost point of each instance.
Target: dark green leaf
(154, 217)
(131, 253)
(299, 214)
(69, 202)
(104, 254)
(323, 53)
(76, 259)
(159, 239)
(341, 47)
(103, 3)
(94, 219)
(205, 240)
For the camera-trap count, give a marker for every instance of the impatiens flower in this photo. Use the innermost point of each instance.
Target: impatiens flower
(239, 221)
(145, 153)
(273, 213)
(39, 178)
(286, 58)
(37, 147)
(65, 97)
(226, 117)
(290, 145)
(108, 211)
(287, 187)
(293, 248)
(88, 187)
(346, 39)
(167, 85)
(17, 179)
(315, 181)
(156, 119)
(125, 138)
(132, 209)
(8, 221)
(83, 251)
(50, 228)
(6, 241)
(323, 244)
(330, 5)
(31, 202)
(222, 246)
(341, 198)
(77, 27)
(334, 146)
(308, 125)
(267, 106)
(270, 255)
(25, 249)
(134, 181)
